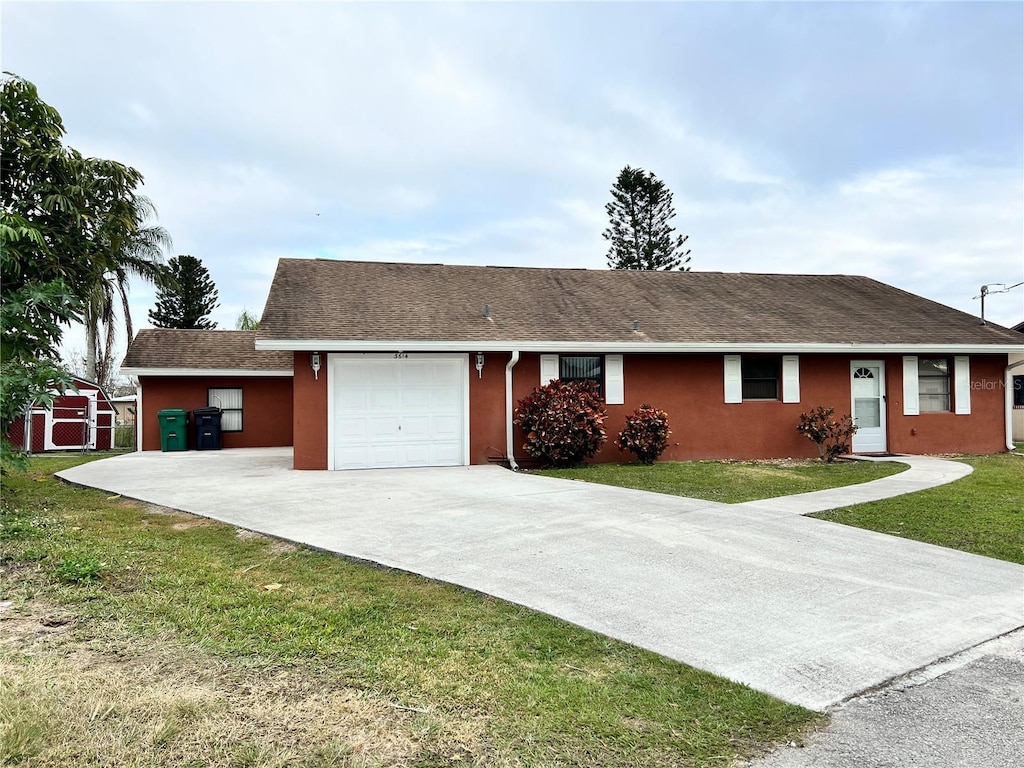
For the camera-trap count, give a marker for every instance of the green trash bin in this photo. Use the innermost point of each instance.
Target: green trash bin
(173, 429)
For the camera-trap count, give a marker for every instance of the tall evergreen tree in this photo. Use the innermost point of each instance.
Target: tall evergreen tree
(188, 302)
(639, 233)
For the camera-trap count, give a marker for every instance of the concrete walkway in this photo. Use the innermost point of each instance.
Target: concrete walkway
(807, 610)
(924, 472)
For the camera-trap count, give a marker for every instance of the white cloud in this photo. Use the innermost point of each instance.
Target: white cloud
(491, 133)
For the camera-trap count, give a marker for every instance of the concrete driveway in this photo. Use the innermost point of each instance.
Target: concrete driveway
(809, 611)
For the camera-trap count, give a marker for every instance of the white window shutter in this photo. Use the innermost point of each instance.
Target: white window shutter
(962, 382)
(911, 400)
(548, 369)
(614, 381)
(733, 379)
(791, 378)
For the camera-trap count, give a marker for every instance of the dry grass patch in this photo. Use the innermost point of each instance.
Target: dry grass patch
(63, 702)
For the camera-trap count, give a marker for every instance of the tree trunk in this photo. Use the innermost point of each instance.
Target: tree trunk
(91, 343)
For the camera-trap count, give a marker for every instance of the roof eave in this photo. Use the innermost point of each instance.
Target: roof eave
(221, 372)
(421, 345)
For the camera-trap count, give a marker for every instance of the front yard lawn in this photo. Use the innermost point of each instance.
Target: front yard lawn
(136, 636)
(731, 482)
(982, 513)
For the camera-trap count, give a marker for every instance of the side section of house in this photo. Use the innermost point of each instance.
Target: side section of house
(257, 411)
(379, 409)
(190, 369)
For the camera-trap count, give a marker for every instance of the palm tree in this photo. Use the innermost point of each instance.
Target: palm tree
(132, 249)
(247, 321)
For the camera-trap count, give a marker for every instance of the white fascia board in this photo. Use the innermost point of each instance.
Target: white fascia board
(385, 345)
(208, 372)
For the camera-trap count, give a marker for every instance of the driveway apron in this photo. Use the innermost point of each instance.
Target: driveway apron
(810, 611)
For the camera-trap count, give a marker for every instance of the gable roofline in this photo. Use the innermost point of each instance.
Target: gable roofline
(419, 345)
(194, 352)
(324, 304)
(208, 372)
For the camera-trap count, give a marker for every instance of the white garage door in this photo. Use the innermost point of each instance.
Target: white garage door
(390, 411)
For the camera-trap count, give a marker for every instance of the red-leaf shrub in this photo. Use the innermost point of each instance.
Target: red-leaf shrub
(563, 421)
(645, 434)
(832, 435)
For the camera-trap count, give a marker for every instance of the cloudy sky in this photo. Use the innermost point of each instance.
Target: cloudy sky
(880, 139)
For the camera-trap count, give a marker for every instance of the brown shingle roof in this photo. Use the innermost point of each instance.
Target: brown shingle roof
(222, 350)
(319, 299)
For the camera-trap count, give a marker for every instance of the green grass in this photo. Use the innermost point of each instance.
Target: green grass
(124, 437)
(529, 689)
(982, 513)
(730, 482)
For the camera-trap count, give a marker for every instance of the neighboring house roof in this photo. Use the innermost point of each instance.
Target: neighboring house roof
(166, 351)
(317, 304)
(1019, 327)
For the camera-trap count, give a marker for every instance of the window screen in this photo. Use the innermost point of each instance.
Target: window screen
(579, 368)
(760, 378)
(933, 384)
(230, 403)
(582, 369)
(1018, 391)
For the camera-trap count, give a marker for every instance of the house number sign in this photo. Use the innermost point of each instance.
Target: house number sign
(401, 355)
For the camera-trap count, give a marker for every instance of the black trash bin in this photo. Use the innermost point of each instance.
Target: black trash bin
(207, 421)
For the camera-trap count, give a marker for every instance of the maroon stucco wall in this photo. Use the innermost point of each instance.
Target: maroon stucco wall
(691, 389)
(266, 408)
(310, 415)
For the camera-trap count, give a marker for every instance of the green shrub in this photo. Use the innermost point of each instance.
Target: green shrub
(82, 569)
(832, 435)
(645, 435)
(563, 421)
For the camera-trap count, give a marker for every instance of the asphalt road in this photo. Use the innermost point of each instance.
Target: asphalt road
(967, 712)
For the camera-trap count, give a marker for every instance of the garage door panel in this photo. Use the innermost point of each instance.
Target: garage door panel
(351, 457)
(385, 455)
(386, 428)
(385, 398)
(402, 412)
(416, 428)
(351, 429)
(350, 398)
(416, 397)
(446, 454)
(446, 427)
(448, 398)
(416, 455)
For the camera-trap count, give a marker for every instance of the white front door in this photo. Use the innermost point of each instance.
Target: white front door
(398, 410)
(867, 385)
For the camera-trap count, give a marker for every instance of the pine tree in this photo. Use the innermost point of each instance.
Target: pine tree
(188, 302)
(639, 230)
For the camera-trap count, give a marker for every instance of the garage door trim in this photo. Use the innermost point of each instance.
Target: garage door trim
(335, 357)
